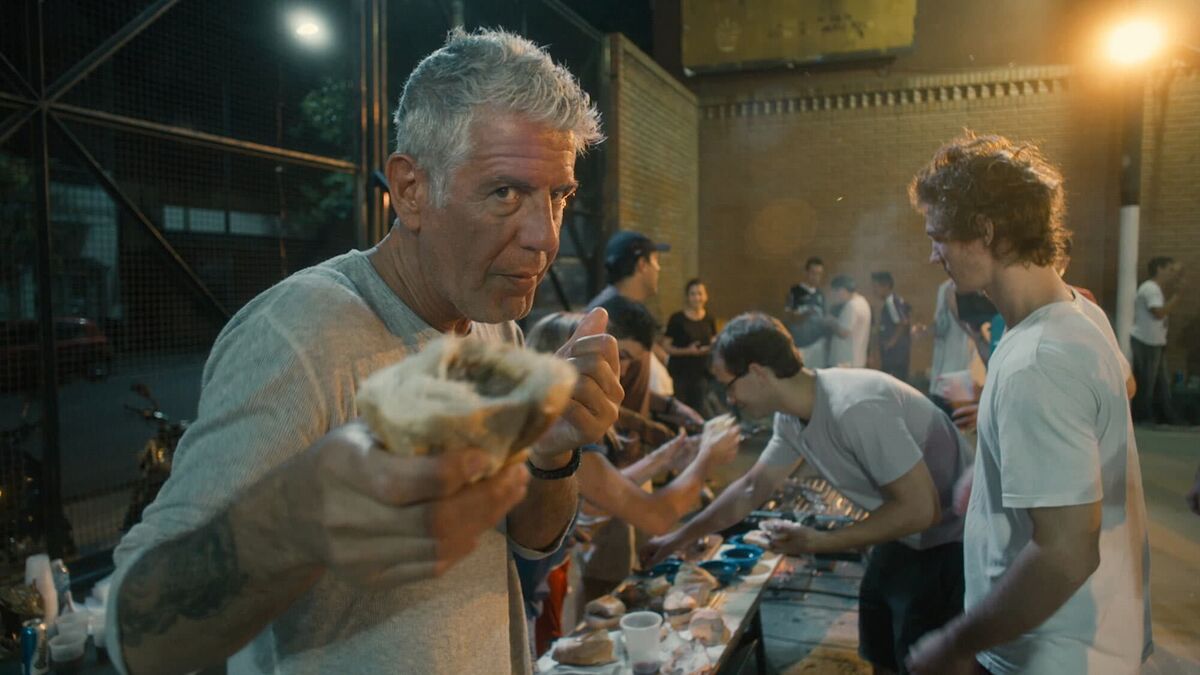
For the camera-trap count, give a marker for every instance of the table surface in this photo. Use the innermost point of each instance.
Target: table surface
(736, 602)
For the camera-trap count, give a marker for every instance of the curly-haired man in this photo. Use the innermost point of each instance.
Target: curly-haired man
(1056, 558)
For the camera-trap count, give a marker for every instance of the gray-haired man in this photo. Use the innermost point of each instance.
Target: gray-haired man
(286, 541)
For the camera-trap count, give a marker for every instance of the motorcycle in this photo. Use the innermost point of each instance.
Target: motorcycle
(22, 519)
(155, 457)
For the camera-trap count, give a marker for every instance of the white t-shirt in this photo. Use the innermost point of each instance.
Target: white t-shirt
(1146, 328)
(953, 349)
(1092, 311)
(282, 373)
(856, 318)
(1054, 430)
(867, 430)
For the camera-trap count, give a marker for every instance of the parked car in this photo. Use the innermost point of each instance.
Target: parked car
(80, 346)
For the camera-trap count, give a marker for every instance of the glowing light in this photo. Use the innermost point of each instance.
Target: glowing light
(1134, 42)
(308, 28)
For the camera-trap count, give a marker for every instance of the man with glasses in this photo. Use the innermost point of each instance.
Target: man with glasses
(878, 441)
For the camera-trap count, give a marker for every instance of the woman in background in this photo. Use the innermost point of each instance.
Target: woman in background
(689, 337)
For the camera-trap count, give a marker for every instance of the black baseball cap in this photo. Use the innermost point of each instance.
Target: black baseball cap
(628, 245)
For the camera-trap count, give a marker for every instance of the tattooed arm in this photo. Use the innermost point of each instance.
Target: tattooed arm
(342, 507)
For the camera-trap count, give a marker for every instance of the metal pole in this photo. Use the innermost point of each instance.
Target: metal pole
(1131, 191)
(51, 457)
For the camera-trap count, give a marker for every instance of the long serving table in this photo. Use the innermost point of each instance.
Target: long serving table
(805, 498)
(738, 604)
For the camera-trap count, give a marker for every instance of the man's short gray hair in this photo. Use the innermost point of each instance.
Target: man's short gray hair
(485, 69)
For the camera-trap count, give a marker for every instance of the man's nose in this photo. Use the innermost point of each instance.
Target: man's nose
(540, 224)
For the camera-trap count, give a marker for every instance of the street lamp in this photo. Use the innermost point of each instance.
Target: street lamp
(1131, 45)
(308, 28)
(1134, 42)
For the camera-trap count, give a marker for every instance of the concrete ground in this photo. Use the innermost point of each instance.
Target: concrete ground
(816, 632)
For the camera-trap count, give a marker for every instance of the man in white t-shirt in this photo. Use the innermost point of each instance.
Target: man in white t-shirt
(851, 327)
(1148, 341)
(953, 349)
(879, 442)
(1056, 557)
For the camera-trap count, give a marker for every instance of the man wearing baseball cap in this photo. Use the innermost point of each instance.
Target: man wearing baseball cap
(631, 265)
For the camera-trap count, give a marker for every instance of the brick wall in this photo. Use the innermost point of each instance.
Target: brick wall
(1170, 218)
(653, 173)
(792, 176)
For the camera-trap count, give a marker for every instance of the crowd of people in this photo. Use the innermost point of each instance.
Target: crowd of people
(288, 541)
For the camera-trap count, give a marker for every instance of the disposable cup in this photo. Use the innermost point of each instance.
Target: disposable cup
(641, 631)
(67, 647)
(75, 622)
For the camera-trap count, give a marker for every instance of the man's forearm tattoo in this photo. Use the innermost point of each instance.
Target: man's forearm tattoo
(194, 577)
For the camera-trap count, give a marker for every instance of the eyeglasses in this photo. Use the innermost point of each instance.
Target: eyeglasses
(727, 386)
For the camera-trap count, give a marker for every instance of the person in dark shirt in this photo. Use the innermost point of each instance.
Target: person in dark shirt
(690, 332)
(804, 314)
(895, 337)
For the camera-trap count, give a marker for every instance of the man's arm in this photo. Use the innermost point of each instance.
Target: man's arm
(343, 507)
(540, 521)
(654, 513)
(1063, 553)
(733, 504)
(910, 504)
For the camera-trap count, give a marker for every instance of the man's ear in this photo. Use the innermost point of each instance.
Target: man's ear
(987, 229)
(759, 370)
(408, 186)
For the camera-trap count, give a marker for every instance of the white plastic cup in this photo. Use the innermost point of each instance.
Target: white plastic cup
(66, 648)
(641, 631)
(73, 622)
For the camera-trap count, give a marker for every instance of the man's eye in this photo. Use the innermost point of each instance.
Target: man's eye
(506, 194)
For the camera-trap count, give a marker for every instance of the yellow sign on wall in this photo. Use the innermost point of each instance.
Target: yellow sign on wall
(738, 34)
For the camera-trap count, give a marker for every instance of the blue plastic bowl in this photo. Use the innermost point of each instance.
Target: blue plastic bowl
(724, 570)
(744, 556)
(666, 568)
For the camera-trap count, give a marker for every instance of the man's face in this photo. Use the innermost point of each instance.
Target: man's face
(486, 251)
(740, 392)
(814, 275)
(839, 295)
(648, 271)
(881, 291)
(969, 263)
(629, 352)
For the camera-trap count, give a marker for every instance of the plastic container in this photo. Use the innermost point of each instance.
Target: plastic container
(642, 631)
(66, 650)
(744, 556)
(725, 571)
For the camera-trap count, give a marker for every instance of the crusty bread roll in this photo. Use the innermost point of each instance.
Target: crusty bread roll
(691, 574)
(591, 649)
(759, 538)
(678, 602)
(597, 622)
(688, 658)
(606, 606)
(680, 620)
(460, 393)
(708, 627)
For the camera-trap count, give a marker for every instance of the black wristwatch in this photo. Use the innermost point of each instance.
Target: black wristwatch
(560, 473)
